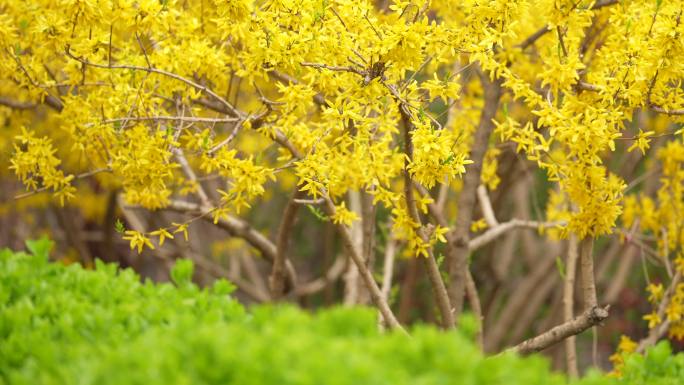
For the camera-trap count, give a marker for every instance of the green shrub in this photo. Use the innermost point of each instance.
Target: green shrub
(66, 325)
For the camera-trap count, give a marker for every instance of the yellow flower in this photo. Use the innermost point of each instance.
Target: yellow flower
(656, 292)
(343, 215)
(653, 319)
(137, 239)
(163, 234)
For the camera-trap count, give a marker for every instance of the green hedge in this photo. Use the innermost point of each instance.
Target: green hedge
(66, 325)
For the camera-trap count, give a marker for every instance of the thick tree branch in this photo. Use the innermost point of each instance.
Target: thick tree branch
(457, 247)
(15, 104)
(568, 305)
(277, 278)
(590, 317)
(587, 263)
(497, 231)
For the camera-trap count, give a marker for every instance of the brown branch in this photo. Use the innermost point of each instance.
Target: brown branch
(230, 137)
(330, 276)
(457, 248)
(492, 233)
(15, 104)
(661, 110)
(277, 278)
(568, 305)
(590, 317)
(52, 101)
(498, 328)
(376, 295)
(438, 287)
(502, 228)
(334, 68)
(587, 263)
(231, 110)
(476, 307)
(235, 226)
(219, 271)
(79, 176)
(544, 30)
(172, 118)
(388, 266)
(653, 107)
(486, 206)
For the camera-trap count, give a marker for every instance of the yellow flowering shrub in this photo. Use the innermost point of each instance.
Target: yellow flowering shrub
(381, 117)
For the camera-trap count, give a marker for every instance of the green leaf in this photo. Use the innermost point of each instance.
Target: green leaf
(119, 226)
(318, 213)
(560, 266)
(181, 273)
(40, 248)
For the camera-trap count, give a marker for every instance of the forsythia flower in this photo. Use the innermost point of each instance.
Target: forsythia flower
(343, 215)
(138, 239)
(656, 292)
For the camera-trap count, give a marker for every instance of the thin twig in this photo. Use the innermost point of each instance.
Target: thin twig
(79, 176)
(233, 111)
(277, 278)
(486, 206)
(371, 285)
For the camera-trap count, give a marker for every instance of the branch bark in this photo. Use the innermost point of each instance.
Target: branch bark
(438, 287)
(376, 295)
(568, 305)
(589, 318)
(587, 262)
(277, 278)
(238, 228)
(457, 248)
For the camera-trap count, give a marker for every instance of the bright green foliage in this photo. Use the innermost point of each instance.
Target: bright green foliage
(66, 325)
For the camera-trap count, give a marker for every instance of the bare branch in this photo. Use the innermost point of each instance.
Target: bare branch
(79, 176)
(334, 68)
(388, 266)
(330, 276)
(376, 295)
(458, 246)
(495, 232)
(568, 304)
(476, 307)
(591, 317)
(587, 263)
(230, 137)
(277, 278)
(172, 118)
(486, 205)
(661, 110)
(15, 104)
